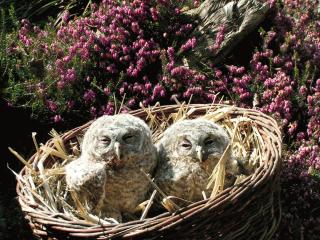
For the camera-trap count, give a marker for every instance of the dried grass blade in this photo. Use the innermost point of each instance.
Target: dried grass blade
(58, 146)
(259, 142)
(46, 186)
(35, 141)
(218, 174)
(189, 102)
(115, 100)
(54, 152)
(81, 210)
(176, 100)
(142, 206)
(217, 177)
(21, 159)
(190, 112)
(121, 104)
(159, 190)
(204, 195)
(85, 215)
(147, 111)
(218, 115)
(58, 188)
(153, 118)
(180, 115)
(18, 176)
(33, 192)
(57, 136)
(30, 179)
(55, 171)
(67, 209)
(150, 202)
(168, 204)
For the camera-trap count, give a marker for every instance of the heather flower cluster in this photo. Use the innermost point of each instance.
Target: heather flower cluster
(112, 55)
(137, 51)
(283, 80)
(219, 39)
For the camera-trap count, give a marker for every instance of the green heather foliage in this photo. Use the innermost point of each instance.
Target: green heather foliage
(9, 26)
(40, 10)
(80, 68)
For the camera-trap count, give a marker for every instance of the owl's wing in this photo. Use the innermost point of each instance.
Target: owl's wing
(87, 180)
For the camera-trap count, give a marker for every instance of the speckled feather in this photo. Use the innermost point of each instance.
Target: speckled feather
(118, 146)
(188, 152)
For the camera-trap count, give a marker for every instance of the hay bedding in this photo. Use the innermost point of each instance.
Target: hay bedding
(43, 186)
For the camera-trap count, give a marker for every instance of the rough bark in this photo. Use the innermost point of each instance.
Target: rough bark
(239, 17)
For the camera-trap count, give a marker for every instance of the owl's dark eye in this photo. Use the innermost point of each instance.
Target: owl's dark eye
(209, 141)
(128, 137)
(186, 144)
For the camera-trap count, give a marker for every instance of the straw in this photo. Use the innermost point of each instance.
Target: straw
(47, 187)
(150, 202)
(217, 177)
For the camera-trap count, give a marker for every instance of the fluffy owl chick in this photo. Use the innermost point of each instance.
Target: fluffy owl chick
(188, 151)
(114, 149)
(87, 179)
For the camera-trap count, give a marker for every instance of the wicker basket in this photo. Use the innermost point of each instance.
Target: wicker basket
(249, 210)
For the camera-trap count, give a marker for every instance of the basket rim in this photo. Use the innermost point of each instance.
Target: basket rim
(269, 170)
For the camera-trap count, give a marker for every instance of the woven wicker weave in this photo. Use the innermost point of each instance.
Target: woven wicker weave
(249, 210)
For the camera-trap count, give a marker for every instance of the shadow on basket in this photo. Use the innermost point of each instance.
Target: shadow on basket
(212, 173)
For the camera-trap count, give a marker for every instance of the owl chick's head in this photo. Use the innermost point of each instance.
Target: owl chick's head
(196, 139)
(118, 139)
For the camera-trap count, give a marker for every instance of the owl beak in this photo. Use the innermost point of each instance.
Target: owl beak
(117, 149)
(199, 153)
